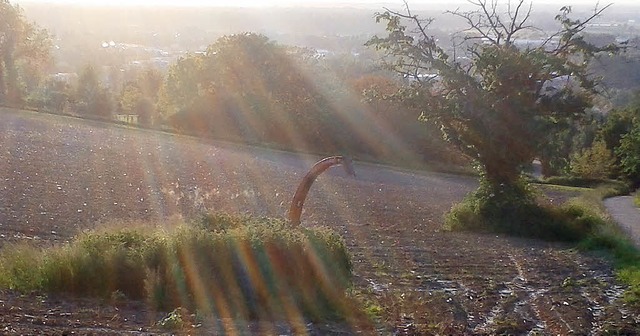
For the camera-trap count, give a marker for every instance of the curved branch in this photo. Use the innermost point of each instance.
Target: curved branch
(295, 210)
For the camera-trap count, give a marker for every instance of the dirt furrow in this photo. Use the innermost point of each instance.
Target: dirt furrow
(61, 175)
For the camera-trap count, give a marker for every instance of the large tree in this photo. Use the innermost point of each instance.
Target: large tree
(245, 87)
(496, 99)
(140, 96)
(493, 98)
(91, 96)
(24, 52)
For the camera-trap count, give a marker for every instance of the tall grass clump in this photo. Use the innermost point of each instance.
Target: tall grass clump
(227, 266)
(19, 267)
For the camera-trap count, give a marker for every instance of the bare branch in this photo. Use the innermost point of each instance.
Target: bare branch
(487, 23)
(573, 28)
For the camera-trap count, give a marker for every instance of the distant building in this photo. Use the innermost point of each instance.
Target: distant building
(321, 53)
(127, 118)
(67, 77)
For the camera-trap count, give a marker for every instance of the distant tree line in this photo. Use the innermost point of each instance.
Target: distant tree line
(248, 88)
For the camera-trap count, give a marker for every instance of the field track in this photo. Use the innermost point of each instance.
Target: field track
(59, 175)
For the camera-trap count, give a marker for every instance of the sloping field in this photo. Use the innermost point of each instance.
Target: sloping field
(59, 175)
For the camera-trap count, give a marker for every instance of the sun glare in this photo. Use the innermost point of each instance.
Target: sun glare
(189, 3)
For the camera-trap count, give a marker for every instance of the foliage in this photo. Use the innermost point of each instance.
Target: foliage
(515, 211)
(497, 105)
(132, 101)
(249, 89)
(246, 87)
(620, 122)
(141, 95)
(17, 265)
(636, 200)
(629, 153)
(24, 54)
(51, 96)
(91, 97)
(555, 153)
(254, 268)
(596, 162)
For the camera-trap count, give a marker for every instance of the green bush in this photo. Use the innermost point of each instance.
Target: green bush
(595, 162)
(636, 199)
(514, 211)
(629, 153)
(223, 265)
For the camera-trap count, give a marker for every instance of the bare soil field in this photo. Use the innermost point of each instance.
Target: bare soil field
(60, 175)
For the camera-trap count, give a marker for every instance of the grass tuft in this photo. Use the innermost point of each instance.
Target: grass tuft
(228, 266)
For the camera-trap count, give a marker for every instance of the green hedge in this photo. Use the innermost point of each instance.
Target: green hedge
(222, 265)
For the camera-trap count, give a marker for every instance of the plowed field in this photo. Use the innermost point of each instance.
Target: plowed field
(60, 175)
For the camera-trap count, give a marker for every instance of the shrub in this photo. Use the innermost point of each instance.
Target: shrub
(224, 265)
(629, 153)
(514, 211)
(596, 162)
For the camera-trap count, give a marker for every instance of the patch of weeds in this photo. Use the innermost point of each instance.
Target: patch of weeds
(619, 328)
(18, 264)
(568, 282)
(117, 296)
(373, 311)
(225, 266)
(636, 200)
(172, 321)
(510, 326)
(413, 313)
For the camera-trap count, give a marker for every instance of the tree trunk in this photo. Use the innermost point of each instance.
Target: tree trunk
(12, 90)
(3, 86)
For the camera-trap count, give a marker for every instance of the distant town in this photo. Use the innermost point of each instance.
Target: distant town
(120, 40)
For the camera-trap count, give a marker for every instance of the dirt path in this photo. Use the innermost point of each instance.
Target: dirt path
(626, 214)
(61, 175)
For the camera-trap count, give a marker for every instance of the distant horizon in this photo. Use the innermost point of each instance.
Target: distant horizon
(292, 3)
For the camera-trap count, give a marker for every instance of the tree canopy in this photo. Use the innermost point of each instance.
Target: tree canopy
(24, 53)
(498, 100)
(494, 99)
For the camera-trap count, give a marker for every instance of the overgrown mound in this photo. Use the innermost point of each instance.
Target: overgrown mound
(514, 210)
(228, 266)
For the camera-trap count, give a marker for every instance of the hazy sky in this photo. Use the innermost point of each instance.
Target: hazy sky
(254, 3)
